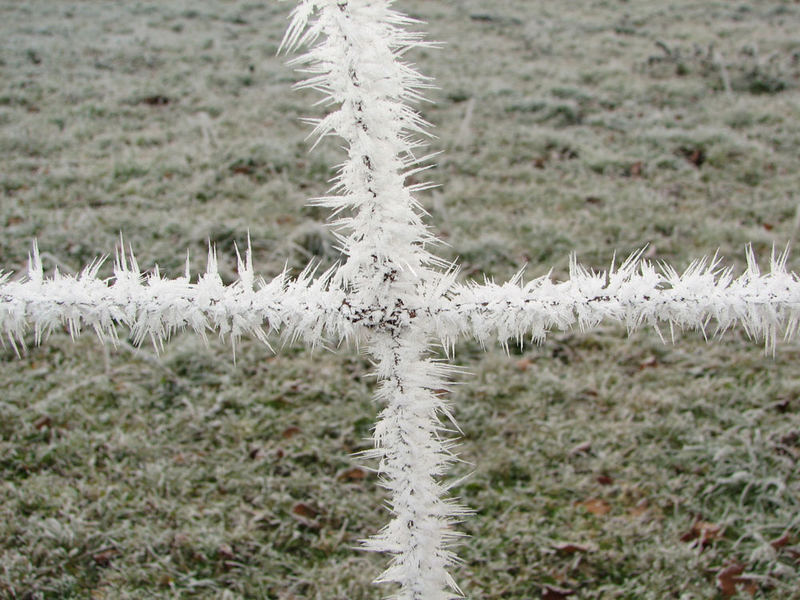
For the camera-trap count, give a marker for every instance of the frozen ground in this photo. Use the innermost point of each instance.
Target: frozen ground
(610, 466)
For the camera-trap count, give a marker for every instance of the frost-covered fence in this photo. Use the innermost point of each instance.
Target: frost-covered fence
(391, 294)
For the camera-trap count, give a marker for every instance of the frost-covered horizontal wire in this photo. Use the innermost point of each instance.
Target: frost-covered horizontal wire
(766, 305)
(155, 307)
(637, 293)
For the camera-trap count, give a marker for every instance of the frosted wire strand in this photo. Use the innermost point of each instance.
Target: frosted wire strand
(153, 307)
(705, 297)
(766, 305)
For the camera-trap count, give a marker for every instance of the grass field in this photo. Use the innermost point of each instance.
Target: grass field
(604, 466)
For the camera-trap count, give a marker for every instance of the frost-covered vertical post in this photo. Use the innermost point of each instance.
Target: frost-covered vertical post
(357, 64)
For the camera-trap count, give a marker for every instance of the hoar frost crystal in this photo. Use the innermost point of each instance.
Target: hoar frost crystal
(391, 294)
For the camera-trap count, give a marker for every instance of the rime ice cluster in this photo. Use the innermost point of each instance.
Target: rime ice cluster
(355, 61)
(390, 292)
(765, 305)
(153, 307)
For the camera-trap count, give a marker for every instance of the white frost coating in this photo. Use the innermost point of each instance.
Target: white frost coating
(413, 450)
(390, 291)
(636, 293)
(356, 63)
(154, 307)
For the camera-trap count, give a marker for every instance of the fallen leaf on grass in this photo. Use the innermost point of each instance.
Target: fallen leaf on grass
(551, 592)
(301, 509)
(596, 506)
(605, 479)
(305, 515)
(256, 453)
(729, 577)
(702, 533)
(42, 422)
(103, 558)
(353, 474)
(570, 548)
(242, 169)
(780, 542)
(157, 100)
(640, 509)
(696, 156)
(523, 364)
(290, 432)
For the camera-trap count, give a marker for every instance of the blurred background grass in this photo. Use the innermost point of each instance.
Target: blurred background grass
(602, 465)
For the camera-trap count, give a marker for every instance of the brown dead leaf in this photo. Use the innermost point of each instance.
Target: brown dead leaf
(304, 514)
(301, 509)
(256, 453)
(726, 579)
(696, 156)
(42, 422)
(640, 509)
(103, 557)
(523, 364)
(290, 432)
(780, 542)
(570, 548)
(702, 533)
(551, 592)
(596, 506)
(730, 577)
(353, 474)
(750, 585)
(782, 406)
(156, 100)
